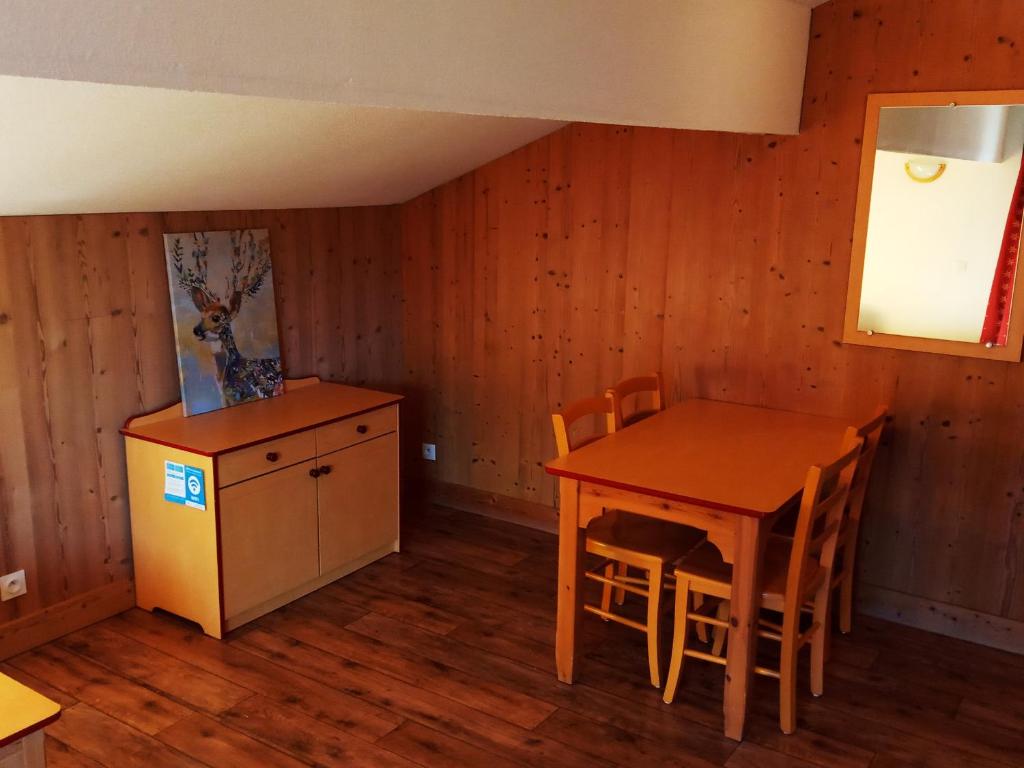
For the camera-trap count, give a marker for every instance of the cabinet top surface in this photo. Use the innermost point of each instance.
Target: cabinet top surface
(231, 428)
(22, 710)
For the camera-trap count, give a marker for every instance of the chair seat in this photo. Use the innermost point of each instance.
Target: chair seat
(705, 563)
(643, 536)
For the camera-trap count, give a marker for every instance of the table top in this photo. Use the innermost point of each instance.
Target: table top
(737, 458)
(22, 710)
(228, 429)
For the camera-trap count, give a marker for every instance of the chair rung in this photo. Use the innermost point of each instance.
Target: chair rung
(613, 562)
(615, 617)
(632, 580)
(692, 615)
(618, 584)
(705, 656)
(767, 633)
(770, 624)
(768, 672)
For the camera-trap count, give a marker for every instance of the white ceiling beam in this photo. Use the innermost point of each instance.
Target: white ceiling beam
(734, 65)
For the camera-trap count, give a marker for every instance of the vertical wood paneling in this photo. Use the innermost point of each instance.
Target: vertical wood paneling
(723, 260)
(86, 341)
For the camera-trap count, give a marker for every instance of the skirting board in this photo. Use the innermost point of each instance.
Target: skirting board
(898, 607)
(64, 617)
(941, 618)
(466, 499)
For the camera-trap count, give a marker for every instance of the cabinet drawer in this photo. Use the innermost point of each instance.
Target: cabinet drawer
(265, 457)
(348, 432)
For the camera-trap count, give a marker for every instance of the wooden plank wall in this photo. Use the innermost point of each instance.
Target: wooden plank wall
(86, 341)
(722, 259)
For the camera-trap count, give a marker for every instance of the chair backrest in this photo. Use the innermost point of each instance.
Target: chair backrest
(564, 419)
(871, 433)
(821, 509)
(635, 386)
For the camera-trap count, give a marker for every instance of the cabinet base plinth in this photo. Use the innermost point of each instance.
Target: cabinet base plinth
(234, 622)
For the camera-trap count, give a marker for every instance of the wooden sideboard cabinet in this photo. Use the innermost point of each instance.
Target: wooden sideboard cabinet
(298, 491)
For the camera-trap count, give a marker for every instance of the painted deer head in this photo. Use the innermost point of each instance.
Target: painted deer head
(250, 263)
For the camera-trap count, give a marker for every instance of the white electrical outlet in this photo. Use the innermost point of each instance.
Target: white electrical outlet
(12, 585)
(430, 451)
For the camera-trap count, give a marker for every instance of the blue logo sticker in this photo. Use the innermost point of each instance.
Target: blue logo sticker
(184, 485)
(195, 488)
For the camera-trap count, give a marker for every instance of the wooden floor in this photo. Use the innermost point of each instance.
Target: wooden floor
(442, 656)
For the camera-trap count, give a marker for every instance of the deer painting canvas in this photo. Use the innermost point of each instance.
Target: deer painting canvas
(225, 320)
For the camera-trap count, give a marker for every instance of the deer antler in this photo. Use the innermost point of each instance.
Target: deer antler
(250, 263)
(193, 279)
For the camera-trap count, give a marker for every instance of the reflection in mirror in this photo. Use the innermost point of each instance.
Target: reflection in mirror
(943, 223)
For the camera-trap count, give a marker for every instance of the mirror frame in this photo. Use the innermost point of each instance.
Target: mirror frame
(1011, 352)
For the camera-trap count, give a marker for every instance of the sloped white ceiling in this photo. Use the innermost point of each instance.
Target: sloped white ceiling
(730, 65)
(193, 104)
(86, 148)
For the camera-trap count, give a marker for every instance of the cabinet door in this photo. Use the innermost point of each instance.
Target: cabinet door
(358, 501)
(268, 534)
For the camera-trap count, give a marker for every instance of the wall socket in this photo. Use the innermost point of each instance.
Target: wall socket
(430, 452)
(12, 585)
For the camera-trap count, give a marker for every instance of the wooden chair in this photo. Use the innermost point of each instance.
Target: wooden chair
(636, 386)
(849, 530)
(795, 571)
(623, 538)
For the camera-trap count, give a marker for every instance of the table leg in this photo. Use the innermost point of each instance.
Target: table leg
(33, 750)
(746, 604)
(571, 549)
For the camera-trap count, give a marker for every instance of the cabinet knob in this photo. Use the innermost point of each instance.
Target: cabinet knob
(362, 429)
(272, 456)
(325, 470)
(314, 472)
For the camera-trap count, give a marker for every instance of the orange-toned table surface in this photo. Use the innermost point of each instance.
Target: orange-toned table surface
(726, 456)
(22, 710)
(230, 428)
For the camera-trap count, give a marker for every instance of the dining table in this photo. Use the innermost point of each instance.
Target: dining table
(725, 468)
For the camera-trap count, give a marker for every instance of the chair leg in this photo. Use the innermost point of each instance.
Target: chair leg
(655, 588)
(702, 628)
(820, 640)
(679, 632)
(620, 594)
(719, 634)
(787, 683)
(846, 596)
(606, 589)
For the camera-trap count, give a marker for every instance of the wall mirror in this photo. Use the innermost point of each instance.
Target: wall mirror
(938, 224)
